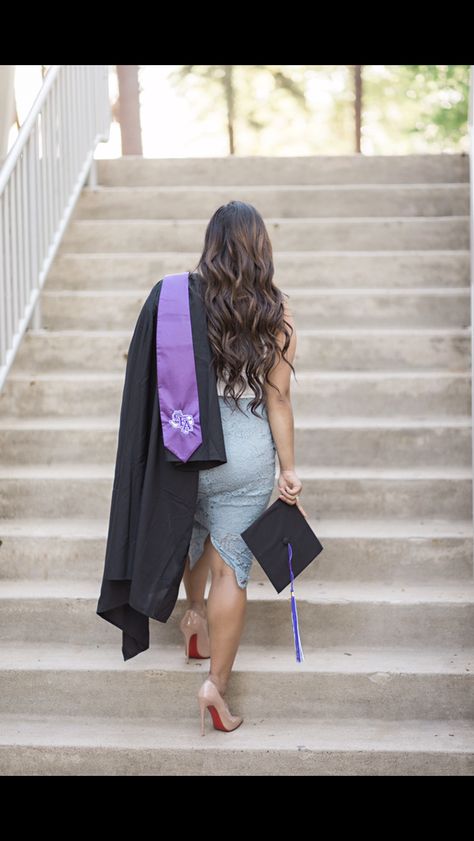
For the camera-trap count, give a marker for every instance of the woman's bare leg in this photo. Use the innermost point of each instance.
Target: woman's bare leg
(195, 581)
(226, 607)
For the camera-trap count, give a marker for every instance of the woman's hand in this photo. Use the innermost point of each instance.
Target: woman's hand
(290, 486)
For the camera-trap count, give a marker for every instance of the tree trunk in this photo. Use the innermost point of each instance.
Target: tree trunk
(358, 106)
(7, 105)
(230, 104)
(129, 109)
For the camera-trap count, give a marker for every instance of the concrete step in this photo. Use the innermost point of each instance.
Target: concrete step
(71, 745)
(313, 269)
(84, 490)
(42, 678)
(386, 611)
(389, 394)
(370, 441)
(322, 349)
(304, 169)
(366, 233)
(330, 613)
(118, 310)
(385, 550)
(194, 202)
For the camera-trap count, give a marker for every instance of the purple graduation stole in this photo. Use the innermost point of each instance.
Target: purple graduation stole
(176, 369)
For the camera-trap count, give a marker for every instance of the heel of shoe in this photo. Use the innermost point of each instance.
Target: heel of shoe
(188, 635)
(196, 641)
(202, 707)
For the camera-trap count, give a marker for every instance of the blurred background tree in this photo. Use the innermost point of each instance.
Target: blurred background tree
(410, 108)
(216, 110)
(248, 94)
(332, 109)
(127, 109)
(357, 107)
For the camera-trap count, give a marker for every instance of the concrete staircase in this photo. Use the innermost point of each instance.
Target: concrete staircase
(373, 252)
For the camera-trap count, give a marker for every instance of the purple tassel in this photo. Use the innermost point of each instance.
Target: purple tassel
(294, 612)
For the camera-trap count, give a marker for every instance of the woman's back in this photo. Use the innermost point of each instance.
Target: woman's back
(248, 392)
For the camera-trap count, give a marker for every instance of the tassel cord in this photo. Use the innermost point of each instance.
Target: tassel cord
(294, 612)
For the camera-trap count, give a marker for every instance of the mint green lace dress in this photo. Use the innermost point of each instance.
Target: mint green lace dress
(233, 495)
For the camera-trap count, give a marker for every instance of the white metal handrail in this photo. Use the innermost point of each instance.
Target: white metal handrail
(40, 183)
(471, 185)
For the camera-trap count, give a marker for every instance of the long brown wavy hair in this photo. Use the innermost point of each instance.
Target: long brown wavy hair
(244, 307)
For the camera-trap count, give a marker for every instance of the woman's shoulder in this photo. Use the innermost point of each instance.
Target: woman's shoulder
(193, 278)
(152, 297)
(194, 281)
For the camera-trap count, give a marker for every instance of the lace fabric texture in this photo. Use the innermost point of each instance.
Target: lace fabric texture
(233, 495)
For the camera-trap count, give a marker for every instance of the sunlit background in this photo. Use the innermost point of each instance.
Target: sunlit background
(286, 109)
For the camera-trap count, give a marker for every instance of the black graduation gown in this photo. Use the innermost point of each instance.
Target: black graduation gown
(154, 493)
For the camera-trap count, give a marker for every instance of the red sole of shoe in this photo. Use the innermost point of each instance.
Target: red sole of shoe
(216, 720)
(193, 649)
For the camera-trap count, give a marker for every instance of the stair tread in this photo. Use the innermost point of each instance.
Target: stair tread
(77, 470)
(296, 291)
(111, 422)
(421, 186)
(76, 422)
(270, 220)
(74, 374)
(183, 255)
(412, 736)
(16, 656)
(315, 591)
(73, 528)
(382, 422)
(303, 331)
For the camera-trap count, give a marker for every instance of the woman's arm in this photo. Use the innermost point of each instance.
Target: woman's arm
(280, 416)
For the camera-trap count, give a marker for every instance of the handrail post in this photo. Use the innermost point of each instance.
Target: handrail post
(36, 319)
(92, 177)
(471, 259)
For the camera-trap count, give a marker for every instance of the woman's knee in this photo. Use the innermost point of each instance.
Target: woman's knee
(219, 568)
(217, 565)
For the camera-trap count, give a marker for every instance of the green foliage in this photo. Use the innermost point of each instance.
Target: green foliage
(442, 91)
(309, 109)
(415, 107)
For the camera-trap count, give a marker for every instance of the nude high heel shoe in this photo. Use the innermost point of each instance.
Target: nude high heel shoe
(196, 637)
(210, 697)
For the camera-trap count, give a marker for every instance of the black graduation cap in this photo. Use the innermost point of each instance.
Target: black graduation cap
(284, 544)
